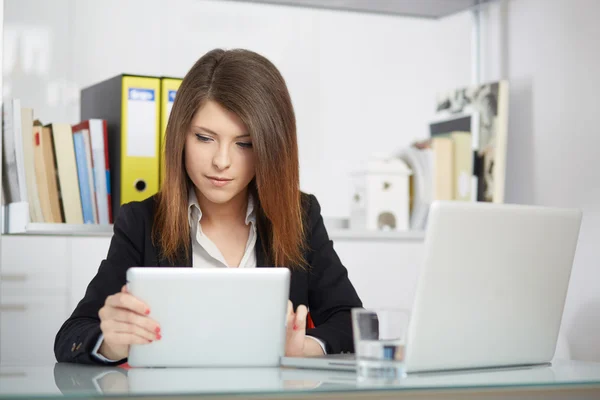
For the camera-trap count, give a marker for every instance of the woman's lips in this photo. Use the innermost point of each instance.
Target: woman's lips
(218, 181)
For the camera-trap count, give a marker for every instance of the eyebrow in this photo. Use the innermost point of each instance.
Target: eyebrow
(216, 134)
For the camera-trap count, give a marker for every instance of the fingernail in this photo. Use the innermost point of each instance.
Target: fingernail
(295, 327)
(147, 311)
(157, 330)
(158, 336)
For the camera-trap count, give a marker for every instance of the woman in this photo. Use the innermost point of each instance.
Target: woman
(230, 198)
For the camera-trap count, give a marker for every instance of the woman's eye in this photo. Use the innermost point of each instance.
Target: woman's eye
(245, 145)
(203, 138)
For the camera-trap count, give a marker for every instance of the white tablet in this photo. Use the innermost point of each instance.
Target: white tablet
(212, 317)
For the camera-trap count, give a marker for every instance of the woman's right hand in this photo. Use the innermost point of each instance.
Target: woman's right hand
(124, 321)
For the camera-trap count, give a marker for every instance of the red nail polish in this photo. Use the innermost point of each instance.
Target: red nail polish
(157, 330)
(158, 336)
(147, 311)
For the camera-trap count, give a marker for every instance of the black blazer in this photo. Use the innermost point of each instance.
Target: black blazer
(324, 287)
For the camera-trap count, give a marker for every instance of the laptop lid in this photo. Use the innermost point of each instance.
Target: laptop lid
(492, 286)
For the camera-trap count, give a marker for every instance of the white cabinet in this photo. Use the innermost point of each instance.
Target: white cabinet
(44, 277)
(34, 265)
(28, 325)
(85, 257)
(34, 288)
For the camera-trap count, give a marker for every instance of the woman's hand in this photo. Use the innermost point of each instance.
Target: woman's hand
(124, 321)
(296, 343)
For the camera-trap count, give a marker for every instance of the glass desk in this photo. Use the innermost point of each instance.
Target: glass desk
(566, 379)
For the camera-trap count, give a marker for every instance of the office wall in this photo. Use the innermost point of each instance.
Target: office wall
(360, 83)
(549, 52)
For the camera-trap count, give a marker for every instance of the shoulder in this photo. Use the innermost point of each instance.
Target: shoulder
(314, 226)
(137, 214)
(311, 209)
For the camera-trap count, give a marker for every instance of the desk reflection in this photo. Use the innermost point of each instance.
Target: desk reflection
(73, 379)
(76, 380)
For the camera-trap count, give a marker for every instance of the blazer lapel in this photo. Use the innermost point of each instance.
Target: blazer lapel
(181, 260)
(261, 257)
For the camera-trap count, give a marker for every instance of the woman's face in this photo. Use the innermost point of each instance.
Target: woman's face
(219, 158)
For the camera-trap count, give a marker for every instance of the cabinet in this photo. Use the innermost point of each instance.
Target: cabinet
(28, 324)
(44, 277)
(33, 298)
(84, 259)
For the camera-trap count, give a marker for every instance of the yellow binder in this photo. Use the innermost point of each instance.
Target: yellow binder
(168, 89)
(140, 121)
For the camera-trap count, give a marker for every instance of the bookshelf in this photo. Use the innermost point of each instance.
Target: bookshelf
(424, 10)
(430, 9)
(96, 230)
(421, 10)
(50, 229)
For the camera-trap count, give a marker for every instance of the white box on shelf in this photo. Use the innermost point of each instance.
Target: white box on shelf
(17, 217)
(381, 196)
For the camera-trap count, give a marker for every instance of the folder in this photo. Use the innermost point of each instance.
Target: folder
(168, 90)
(130, 105)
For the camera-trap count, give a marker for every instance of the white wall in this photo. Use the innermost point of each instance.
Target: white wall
(550, 52)
(360, 83)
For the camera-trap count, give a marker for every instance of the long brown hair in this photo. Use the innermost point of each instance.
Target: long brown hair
(250, 86)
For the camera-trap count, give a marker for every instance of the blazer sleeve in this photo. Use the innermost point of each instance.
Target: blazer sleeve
(79, 334)
(331, 295)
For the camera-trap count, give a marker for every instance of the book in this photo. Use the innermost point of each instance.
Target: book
(443, 156)
(100, 165)
(15, 215)
(68, 182)
(420, 161)
(35, 208)
(488, 105)
(45, 149)
(448, 127)
(82, 174)
(90, 169)
(463, 165)
(43, 174)
(13, 175)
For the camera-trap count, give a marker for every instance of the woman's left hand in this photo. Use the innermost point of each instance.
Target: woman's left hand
(296, 342)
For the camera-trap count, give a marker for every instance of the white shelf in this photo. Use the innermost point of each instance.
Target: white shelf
(43, 229)
(432, 9)
(47, 229)
(350, 234)
(339, 228)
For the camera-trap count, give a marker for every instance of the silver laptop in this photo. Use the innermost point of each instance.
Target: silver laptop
(491, 289)
(212, 317)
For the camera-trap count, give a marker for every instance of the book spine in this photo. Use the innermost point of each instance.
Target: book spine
(82, 173)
